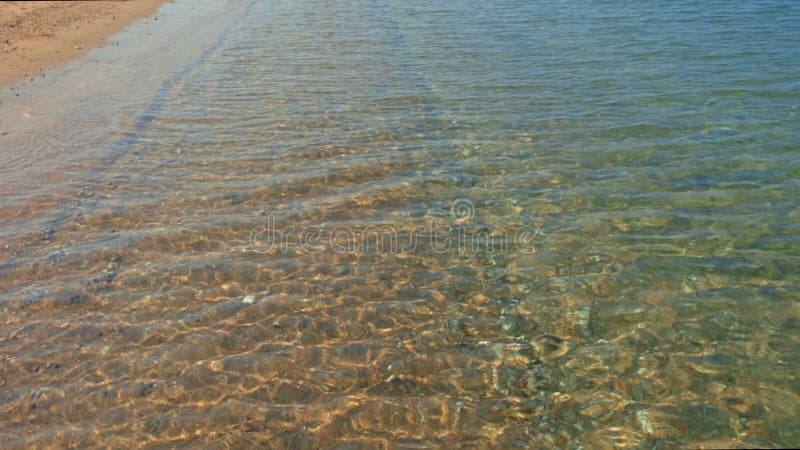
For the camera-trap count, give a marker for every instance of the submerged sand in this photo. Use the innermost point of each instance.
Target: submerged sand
(38, 36)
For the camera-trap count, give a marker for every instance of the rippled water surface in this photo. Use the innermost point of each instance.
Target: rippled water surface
(414, 224)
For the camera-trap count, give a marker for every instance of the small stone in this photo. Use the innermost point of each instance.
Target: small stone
(249, 300)
(644, 421)
(583, 317)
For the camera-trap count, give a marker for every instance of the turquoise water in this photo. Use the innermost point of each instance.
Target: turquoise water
(424, 225)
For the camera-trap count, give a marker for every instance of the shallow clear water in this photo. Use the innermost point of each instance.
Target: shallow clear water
(408, 224)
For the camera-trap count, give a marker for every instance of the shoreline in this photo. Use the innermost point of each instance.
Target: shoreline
(36, 37)
(60, 128)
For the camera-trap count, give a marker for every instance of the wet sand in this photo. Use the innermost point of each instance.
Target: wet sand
(38, 36)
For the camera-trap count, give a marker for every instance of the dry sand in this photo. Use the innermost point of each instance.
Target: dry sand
(37, 36)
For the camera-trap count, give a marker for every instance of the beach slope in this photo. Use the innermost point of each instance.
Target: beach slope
(37, 36)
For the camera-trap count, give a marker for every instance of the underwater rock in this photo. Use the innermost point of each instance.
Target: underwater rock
(594, 365)
(608, 320)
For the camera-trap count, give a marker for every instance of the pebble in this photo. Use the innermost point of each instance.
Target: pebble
(249, 300)
(583, 317)
(644, 421)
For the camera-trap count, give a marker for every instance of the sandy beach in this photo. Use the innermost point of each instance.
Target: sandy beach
(38, 36)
